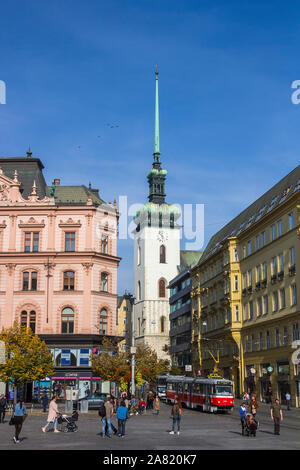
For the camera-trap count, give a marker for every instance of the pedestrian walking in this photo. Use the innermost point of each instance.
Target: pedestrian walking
(122, 415)
(243, 412)
(45, 402)
(253, 406)
(3, 406)
(133, 407)
(276, 416)
(288, 400)
(156, 405)
(18, 418)
(106, 419)
(176, 413)
(246, 398)
(52, 415)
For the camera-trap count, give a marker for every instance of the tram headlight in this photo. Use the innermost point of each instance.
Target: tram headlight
(219, 402)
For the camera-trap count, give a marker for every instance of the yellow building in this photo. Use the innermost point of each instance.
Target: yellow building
(123, 320)
(244, 296)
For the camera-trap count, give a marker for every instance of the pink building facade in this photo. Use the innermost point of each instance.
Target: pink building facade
(58, 265)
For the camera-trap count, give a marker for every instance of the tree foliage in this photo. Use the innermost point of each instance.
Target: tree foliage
(175, 370)
(115, 365)
(111, 364)
(27, 358)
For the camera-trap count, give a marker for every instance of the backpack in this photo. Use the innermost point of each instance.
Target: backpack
(3, 403)
(102, 411)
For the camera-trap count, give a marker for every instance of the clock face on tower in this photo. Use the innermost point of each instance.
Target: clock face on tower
(162, 236)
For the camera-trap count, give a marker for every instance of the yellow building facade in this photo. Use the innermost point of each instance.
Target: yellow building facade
(244, 297)
(123, 323)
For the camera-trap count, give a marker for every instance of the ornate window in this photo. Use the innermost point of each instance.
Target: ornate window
(161, 288)
(162, 254)
(103, 322)
(28, 319)
(69, 278)
(67, 320)
(70, 241)
(29, 280)
(104, 282)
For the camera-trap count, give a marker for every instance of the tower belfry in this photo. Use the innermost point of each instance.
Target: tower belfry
(156, 177)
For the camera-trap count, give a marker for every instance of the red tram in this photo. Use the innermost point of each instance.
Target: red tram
(209, 394)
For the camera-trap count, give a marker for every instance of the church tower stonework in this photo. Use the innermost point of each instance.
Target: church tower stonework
(156, 256)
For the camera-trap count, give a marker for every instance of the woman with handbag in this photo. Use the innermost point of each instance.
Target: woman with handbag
(17, 419)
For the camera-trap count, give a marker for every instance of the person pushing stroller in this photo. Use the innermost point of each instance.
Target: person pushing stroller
(251, 425)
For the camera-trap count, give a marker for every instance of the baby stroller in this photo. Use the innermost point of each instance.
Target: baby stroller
(251, 425)
(68, 422)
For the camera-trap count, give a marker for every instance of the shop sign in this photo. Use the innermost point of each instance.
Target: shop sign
(65, 357)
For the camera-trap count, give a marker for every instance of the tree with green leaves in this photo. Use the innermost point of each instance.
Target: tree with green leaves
(27, 358)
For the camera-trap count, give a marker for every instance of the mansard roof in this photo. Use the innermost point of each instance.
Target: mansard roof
(263, 206)
(29, 170)
(75, 195)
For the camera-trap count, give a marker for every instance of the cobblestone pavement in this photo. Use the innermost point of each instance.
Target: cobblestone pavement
(148, 432)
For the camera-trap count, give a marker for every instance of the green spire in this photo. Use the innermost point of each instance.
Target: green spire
(156, 133)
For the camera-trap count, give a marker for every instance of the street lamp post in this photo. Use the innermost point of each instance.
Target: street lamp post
(133, 348)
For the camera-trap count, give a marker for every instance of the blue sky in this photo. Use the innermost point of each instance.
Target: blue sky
(228, 128)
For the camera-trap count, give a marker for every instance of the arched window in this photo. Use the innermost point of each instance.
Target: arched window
(162, 288)
(104, 244)
(103, 322)
(24, 319)
(69, 277)
(139, 256)
(162, 254)
(28, 319)
(139, 290)
(67, 320)
(104, 282)
(162, 324)
(67, 361)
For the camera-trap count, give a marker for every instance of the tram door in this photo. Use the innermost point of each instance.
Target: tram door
(207, 397)
(187, 394)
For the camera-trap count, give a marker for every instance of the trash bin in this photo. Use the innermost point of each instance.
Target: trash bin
(69, 406)
(84, 406)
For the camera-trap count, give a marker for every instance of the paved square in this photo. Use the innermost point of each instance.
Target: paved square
(148, 432)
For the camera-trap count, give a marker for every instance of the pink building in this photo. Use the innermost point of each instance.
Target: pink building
(58, 265)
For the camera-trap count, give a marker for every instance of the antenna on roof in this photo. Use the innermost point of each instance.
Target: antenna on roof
(29, 153)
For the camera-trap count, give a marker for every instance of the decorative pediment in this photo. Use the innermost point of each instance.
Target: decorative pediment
(69, 223)
(31, 223)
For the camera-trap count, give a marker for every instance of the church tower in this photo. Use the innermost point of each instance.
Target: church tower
(156, 255)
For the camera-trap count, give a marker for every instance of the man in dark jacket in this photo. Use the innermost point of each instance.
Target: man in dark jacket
(44, 402)
(3, 405)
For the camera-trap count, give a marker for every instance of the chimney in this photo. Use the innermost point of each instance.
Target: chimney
(56, 181)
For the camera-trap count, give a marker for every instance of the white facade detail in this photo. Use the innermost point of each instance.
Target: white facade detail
(156, 258)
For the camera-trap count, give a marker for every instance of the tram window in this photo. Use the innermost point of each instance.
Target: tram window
(186, 387)
(169, 386)
(224, 390)
(180, 387)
